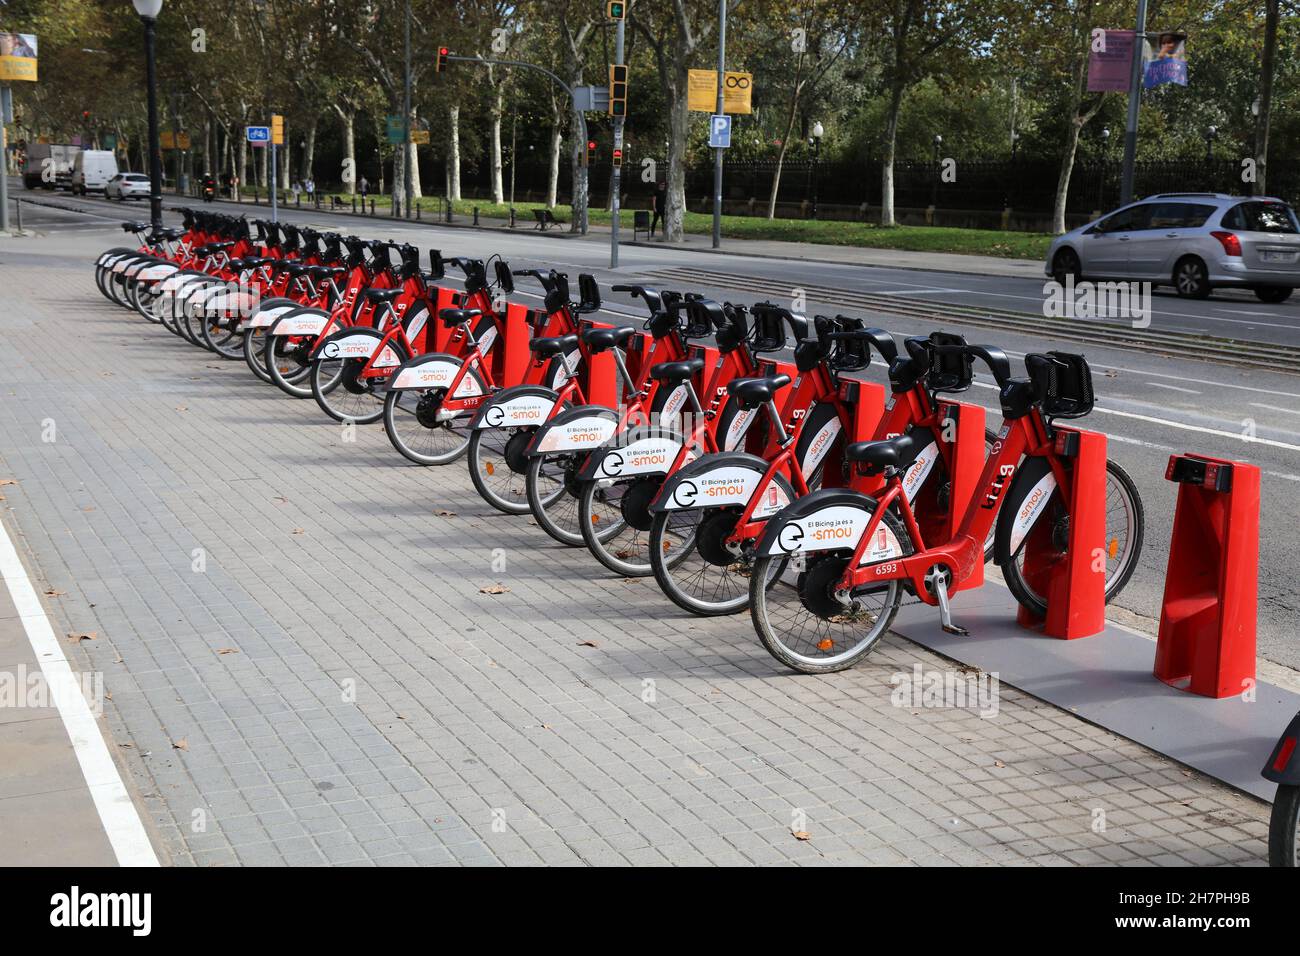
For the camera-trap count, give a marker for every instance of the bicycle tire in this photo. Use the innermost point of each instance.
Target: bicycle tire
(1283, 826)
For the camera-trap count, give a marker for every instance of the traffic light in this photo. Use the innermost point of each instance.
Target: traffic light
(618, 159)
(277, 129)
(617, 90)
(442, 59)
(616, 10)
(85, 115)
(591, 152)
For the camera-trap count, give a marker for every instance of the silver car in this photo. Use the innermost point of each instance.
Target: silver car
(1194, 242)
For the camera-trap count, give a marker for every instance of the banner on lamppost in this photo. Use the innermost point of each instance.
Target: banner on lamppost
(17, 56)
(702, 91)
(1110, 61)
(1166, 60)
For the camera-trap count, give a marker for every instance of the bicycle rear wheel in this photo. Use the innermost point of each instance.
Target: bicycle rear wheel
(498, 468)
(809, 626)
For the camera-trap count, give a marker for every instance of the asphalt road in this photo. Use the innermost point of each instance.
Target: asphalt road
(1149, 405)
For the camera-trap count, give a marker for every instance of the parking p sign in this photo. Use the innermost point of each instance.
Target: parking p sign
(719, 132)
(259, 135)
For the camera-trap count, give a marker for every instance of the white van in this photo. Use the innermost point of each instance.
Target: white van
(92, 169)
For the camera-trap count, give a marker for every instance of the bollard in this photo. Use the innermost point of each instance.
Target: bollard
(476, 215)
(395, 210)
(1206, 641)
(18, 208)
(297, 200)
(354, 205)
(372, 207)
(512, 217)
(447, 207)
(417, 210)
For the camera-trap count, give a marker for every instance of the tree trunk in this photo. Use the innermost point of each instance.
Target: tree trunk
(453, 155)
(776, 176)
(349, 151)
(413, 162)
(553, 173)
(887, 158)
(309, 151)
(494, 115)
(1063, 180)
(1265, 97)
(678, 125)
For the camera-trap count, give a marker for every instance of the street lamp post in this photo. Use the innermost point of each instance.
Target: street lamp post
(148, 11)
(817, 133)
(1101, 168)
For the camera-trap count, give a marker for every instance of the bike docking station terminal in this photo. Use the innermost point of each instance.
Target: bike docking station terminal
(1206, 643)
(1192, 694)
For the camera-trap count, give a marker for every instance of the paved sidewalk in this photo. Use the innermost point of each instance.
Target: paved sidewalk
(47, 816)
(294, 629)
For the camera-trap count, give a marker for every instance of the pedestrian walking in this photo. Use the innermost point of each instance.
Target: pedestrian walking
(364, 186)
(310, 187)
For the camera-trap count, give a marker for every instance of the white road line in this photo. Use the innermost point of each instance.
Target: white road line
(910, 291)
(1274, 443)
(1182, 425)
(116, 810)
(1275, 408)
(1283, 474)
(1173, 388)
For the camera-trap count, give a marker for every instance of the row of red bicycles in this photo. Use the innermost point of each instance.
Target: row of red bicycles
(742, 456)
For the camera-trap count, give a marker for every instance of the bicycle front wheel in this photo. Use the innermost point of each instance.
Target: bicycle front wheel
(1284, 827)
(1125, 527)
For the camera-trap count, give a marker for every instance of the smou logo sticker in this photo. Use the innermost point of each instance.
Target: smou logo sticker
(1033, 506)
(518, 412)
(724, 487)
(358, 347)
(643, 457)
(584, 433)
(839, 527)
(436, 375)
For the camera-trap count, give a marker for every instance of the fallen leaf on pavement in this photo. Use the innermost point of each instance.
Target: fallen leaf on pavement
(181, 744)
(8, 481)
(443, 513)
(54, 592)
(494, 589)
(87, 636)
(802, 835)
(227, 650)
(998, 763)
(588, 644)
(299, 530)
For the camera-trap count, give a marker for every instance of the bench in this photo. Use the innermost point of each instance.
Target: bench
(546, 218)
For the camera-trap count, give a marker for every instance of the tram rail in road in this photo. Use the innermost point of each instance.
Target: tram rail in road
(1210, 348)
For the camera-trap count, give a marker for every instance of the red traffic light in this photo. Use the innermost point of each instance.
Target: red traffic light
(591, 144)
(441, 66)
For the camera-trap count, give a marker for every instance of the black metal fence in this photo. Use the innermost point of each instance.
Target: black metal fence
(976, 192)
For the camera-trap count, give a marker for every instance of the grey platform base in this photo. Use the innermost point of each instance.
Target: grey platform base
(1107, 680)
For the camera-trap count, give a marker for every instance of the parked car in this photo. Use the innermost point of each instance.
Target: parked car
(92, 169)
(1195, 242)
(127, 186)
